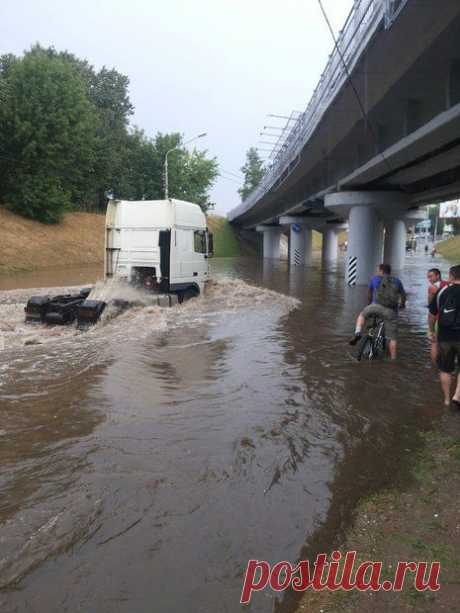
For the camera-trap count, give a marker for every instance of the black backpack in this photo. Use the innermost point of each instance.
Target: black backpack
(449, 313)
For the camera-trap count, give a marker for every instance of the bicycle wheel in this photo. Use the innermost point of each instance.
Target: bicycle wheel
(380, 341)
(365, 349)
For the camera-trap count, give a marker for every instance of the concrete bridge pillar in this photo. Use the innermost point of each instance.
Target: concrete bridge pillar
(272, 235)
(296, 245)
(364, 244)
(365, 211)
(330, 244)
(308, 242)
(300, 240)
(379, 245)
(395, 244)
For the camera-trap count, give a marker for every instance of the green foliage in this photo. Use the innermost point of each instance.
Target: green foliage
(226, 244)
(190, 174)
(48, 134)
(107, 91)
(40, 197)
(65, 139)
(253, 171)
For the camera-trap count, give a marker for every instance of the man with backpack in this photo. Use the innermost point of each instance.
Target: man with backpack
(445, 313)
(386, 295)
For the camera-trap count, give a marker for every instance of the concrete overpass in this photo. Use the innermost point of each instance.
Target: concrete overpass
(379, 138)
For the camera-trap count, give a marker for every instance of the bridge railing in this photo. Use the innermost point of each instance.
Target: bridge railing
(362, 22)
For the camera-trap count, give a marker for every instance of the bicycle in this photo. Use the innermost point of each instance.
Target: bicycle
(373, 343)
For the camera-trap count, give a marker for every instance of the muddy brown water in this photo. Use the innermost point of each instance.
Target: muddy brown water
(144, 462)
(52, 277)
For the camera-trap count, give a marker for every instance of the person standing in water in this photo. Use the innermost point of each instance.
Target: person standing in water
(445, 312)
(435, 283)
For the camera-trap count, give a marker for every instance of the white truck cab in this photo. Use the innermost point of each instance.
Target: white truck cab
(161, 245)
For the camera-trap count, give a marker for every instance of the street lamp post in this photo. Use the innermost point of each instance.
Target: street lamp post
(166, 161)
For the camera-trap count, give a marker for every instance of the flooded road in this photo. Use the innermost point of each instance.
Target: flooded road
(52, 277)
(145, 461)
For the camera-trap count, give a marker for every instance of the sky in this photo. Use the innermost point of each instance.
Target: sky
(214, 66)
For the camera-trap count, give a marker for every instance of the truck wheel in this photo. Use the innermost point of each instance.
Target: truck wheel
(187, 294)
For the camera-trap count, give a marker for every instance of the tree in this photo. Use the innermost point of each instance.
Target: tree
(140, 177)
(197, 175)
(6, 62)
(48, 131)
(253, 171)
(107, 90)
(65, 139)
(191, 175)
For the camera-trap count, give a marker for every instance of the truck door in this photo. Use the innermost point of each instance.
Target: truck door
(189, 260)
(200, 254)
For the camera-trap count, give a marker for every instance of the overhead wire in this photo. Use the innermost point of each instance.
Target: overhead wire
(230, 179)
(233, 174)
(364, 113)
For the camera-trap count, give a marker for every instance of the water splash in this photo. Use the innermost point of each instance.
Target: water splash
(118, 289)
(143, 317)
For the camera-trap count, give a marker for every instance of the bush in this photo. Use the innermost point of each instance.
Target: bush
(39, 197)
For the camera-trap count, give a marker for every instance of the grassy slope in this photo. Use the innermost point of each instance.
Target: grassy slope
(79, 240)
(226, 243)
(420, 523)
(29, 245)
(450, 249)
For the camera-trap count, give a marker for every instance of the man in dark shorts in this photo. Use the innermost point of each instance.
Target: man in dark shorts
(385, 295)
(445, 310)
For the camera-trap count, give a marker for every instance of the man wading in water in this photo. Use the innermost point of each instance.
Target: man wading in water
(435, 283)
(445, 309)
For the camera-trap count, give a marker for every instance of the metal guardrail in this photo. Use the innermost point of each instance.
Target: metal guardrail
(361, 24)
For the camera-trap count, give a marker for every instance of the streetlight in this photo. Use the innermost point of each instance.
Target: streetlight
(166, 160)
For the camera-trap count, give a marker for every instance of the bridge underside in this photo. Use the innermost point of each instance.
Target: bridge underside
(408, 82)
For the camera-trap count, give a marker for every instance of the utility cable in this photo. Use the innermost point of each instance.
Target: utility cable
(355, 91)
(232, 180)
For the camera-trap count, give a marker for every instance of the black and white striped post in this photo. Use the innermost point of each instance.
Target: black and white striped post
(297, 247)
(300, 239)
(352, 272)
